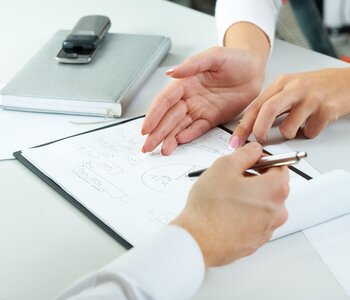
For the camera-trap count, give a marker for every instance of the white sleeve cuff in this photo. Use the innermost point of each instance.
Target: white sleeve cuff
(169, 266)
(262, 13)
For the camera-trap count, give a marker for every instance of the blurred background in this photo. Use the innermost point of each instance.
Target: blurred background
(321, 25)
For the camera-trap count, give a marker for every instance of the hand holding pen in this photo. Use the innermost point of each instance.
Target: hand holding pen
(285, 159)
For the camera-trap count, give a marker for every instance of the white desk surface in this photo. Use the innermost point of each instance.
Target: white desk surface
(45, 243)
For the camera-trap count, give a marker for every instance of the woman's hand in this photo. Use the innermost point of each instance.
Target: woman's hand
(210, 88)
(311, 100)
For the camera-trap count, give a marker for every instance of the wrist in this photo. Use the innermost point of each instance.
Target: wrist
(249, 37)
(202, 239)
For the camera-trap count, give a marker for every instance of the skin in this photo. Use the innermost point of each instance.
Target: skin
(231, 215)
(311, 101)
(209, 89)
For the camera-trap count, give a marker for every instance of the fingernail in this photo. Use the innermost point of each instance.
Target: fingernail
(143, 150)
(234, 142)
(171, 70)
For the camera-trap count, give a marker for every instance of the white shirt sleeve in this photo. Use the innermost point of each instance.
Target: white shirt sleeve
(262, 13)
(169, 266)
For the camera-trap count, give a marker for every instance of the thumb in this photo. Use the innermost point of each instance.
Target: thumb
(206, 61)
(244, 158)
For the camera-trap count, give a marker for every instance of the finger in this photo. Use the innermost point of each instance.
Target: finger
(295, 119)
(244, 158)
(275, 87)
(171, 95)
(172, 118)
(245, 127)
(316, 123)
(170, 142)
(206, 61)
(276, 105)
(196, 129)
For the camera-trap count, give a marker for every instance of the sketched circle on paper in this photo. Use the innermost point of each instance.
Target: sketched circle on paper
(170, 178)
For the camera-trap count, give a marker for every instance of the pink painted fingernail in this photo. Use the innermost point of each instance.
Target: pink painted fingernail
(234, 142)
(171, 70)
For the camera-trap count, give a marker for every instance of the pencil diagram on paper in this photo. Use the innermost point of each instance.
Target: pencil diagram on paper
(122, 145)
(219, 147)
(86, 173)
(223, 138)
(98, 159)
(170, 178)
(109, 152)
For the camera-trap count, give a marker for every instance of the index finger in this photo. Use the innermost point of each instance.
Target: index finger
(162, 103)
(245, 127)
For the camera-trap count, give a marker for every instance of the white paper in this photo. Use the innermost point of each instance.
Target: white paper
(331, 240)
(21, 130)
(316, 201)
(135, 194)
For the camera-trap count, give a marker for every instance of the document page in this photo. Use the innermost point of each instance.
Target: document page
(315, 201)
(135, 194)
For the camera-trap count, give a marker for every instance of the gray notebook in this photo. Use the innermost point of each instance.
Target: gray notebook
(103, 87)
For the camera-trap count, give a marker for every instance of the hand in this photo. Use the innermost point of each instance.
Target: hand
(311, 100)
(231, 215)
(211, 88)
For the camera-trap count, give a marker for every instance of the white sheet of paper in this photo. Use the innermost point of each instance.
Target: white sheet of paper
(21, 130)
(331, 240)
(316, 201)
(136, 194)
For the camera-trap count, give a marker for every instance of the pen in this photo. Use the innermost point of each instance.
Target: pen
(285, 159)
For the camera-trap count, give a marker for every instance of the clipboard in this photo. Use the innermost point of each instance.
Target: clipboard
(76, 203)
(18, 155)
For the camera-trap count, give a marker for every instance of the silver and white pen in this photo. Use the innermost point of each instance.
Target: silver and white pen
(284, 159)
